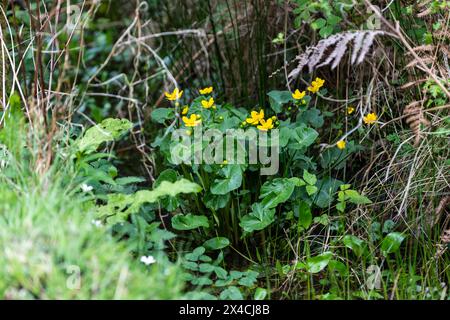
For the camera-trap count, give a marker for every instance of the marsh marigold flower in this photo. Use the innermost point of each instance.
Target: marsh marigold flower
(192, 121)
(208, 103)
(297, 95)
(207, 90)
(316, 85)
(175, 95)
(255, 117)
(266, 125)
(341, 144)
(350, 110)
(370, 118)
(185, 110)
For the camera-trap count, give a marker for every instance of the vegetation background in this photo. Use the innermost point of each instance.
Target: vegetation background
(91, 208)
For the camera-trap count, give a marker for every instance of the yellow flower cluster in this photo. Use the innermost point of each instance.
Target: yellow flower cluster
(341, 144)
(265, 125)
(257, 119)
(297, 95)
(192, 121)
(316, 85)
(174, 95)
(370, 118)
(208, 103)
(350, 110)
(207, 90)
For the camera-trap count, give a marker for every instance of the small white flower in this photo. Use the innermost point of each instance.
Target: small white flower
(148, 260)
(97, 223)
(86, 188)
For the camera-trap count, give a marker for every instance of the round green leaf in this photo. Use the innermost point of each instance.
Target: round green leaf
(216, 243)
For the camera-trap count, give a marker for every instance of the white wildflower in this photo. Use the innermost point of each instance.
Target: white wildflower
(148, 260)
(97, 223)
(86, 188)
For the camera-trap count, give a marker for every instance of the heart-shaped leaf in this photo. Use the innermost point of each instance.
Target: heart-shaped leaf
(216, 243)
(318, 263)
(189, 222)
(391, 243)
(258, 219)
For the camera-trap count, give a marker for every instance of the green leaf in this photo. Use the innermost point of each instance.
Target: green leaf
(277, 191)
(206, 267)
(388, 226)
(108, 130)
(304, 214)
(333, 20)
(120, 206)
(309, 178)
(355, 244)
(128, 180)
(189, 222)
(189, 265)
(232, 181)
(166, 175)
(160, 115)
(326, 31)
(341, 206)
(311, 190)
(258, 219)
(354, 197)
(216, 243)
(12, 130)
(327, 188)
(216, 202)
(278, 98)
(231, 293)
(318, 23)
(391, 243)
(196, 254)
(260, 294)
(302, 137)
(201, 281)
(312, 116)
(323, 220)
(205, 258)
(285, 136)
(247, 281)
(318, 263)
(335, 265)
(220, 272)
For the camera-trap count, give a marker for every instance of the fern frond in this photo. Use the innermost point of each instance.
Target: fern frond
(332, 49)
(415, 118)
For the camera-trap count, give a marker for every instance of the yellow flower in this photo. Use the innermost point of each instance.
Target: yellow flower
(185, 110)
(175, 95)
(206, 90)
(370, 118)
(316, 85)
(266, 125)
(208, 103)
(340, 144)
(192, 121)
(256, 117)
(350, 110)
(297, 95)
